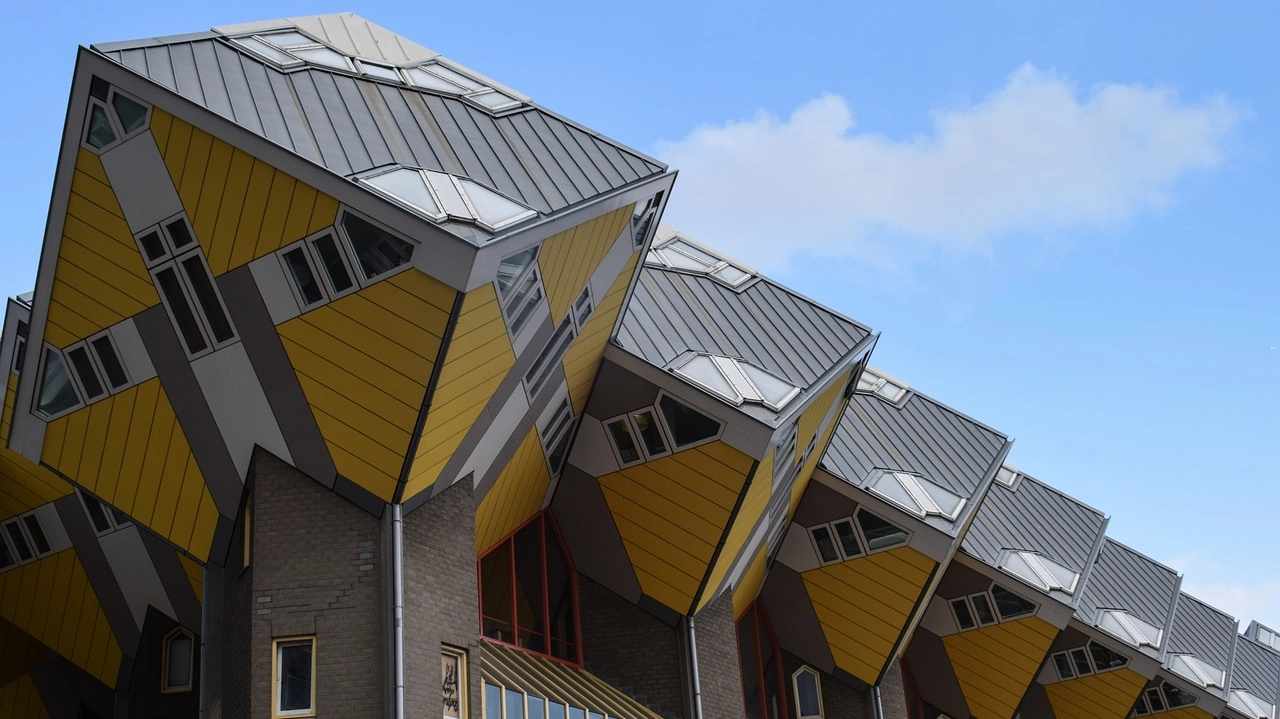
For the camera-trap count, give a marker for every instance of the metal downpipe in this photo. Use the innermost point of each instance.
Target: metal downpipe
(397, 610)
(877, 706)
(696, 686)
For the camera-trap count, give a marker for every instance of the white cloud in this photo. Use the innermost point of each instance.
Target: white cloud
(1033, 156)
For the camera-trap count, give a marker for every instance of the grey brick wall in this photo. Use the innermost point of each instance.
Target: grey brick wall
(893, 696)
(718, 672)
(230, 629)
(839, 700)
(631, 649)
(316, 571)
(441, 596)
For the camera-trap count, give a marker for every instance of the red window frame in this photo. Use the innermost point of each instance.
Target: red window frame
(755, 613)
(547, 523)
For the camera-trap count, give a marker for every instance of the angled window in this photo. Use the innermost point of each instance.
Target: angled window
(963, 614)
(548, 359)
(808, 693)
(880, 534)
(186, 285)
(687, 426)
(582, 309)
(555, 436)
(20, 347)
(624, 442)
(113, 118)
(178, 661)
(1010, 605)
(293, 677)
(992, 606)
(22, 540)
(1092, 658)
(651, 436)
(1008, 475)
(824, 543)
(1129, 628)
(376, 250)
(439, 196)
(844, 539)
(1198, 671)
(333, 262)
(104, 517)
(873, 382)
(378, 70)
(104, 351)
(305, 281)
(737, 381)
(519, 288)
(1040, 571)
(679, 253)
(290, 48)
(642, 219)
(57, 393)
(1251, 705)
(784, 456)
(1268, 637)
(917, 495)
(1162, 697)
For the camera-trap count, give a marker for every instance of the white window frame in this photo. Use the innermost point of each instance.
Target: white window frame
(549, 357)
(20, 521)
(629, 421)
(657, 256)
(75, 385)
(642, 220)
(298, 62)
(579, 315)
(278, 644)
(738, 381)
(989, 596)
(1068, 654)
(117, 127)
(558, 427)
(353, 261)
(173, 259)
(460, 656)
(1133, 634)
(96, 366)
(113, 520)
(859, 536)
(676, 446)
(911, 483)
(1008, 475)
(882, 385)
(1043, 578)
(166, 647)
(313, 265)
(795, 689)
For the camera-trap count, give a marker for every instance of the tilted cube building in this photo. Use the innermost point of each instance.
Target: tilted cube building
(356, 384)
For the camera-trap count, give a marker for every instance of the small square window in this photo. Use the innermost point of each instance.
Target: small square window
(293, 677)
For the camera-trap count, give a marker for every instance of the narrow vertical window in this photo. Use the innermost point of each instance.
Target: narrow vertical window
(303, 278)
(85, 372)
(808, 688)
(295, 689)
(207, 297)
(57, 394)
(335, 267)
(177, 666)
(36, 532)
(19, 541)
(110, 362)
(650, 434)
(623, 442)
(100, 132)
(184, 317)
(453, 682)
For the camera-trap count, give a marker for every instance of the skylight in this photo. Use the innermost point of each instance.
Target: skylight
(290, 48)
(873, 382)
(1251, 705)
(682, 254)
(1129, 628)
(1200, 672)
(1040, 571)
(737, 381)
(917, 495)
(439, 197)
(1008, 475)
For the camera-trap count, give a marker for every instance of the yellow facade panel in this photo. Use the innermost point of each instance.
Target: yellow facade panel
(1185, 713)
(516, 495)
(194, 170)
(25, 486)
(582, 361)
(19, 699)
(995, 664)
(1109, 695)
(195, 575)
(215, 181)
(568, 258)
(753, 507)
(749, 585)
(206, 522)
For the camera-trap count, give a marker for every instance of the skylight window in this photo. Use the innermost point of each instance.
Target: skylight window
(917, 495)
(1129, 628)
(1040, 571)
(439, 78)
(679, 253)
(440, 197)
(737, 381)
(1251, 705)
(1008, 475)
(290, 48)
(873, 382)
(1268, 637)
(1200, 672)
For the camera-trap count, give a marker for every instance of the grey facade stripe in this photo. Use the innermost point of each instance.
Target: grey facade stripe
(223, 536)
(276, 375)
(177, 586)
(794, 619)
(191, 409)
(103, 581)
(359, 496)
(419, 425)
(64, 687)
(927, 656)
(592, 537)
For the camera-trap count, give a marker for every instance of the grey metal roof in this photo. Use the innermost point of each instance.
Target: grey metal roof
(922, 436)
(671, 313)
(1202, 630)
(1035, 517)
(353, 124)
(1128, 580)
(1257, 670)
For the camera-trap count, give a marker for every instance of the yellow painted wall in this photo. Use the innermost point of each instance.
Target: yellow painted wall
(240, 207)
(1184, 713)
(130, 450)
(19, 699)
(582, 360)
(51, 600)
(863, 605)
(568, 259)
(671, 513)
(364, 362)
(195, 576)
(994, 665)
(478, 359)
(100, 278)
(749, 586)
(753, 506)
(23, 484)
(1109, 695)
(516, 495)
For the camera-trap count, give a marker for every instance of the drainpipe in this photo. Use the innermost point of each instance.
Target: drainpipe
(693, 667)
(877, 706)
(204, 632)
(397, 598)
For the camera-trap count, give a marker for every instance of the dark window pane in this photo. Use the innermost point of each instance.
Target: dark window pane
(122, 519)
(179, 233)
(178, 664)
(530, 593)
(377, 250)
(963, 616)
(303, 278)
(295, 676)
(1104, 658)
(687, 425)
(495, 586)
(649, 433)
(99, 88)
(6, 556)
(100, 133)
(19, 355)
(1154, 700)
(982, 609)
(37, 534)
(171, 287)
(110, 362)
(1081, 660)
(334, 266)
(97, 514)
(56, 392)
(1064, 666)
(84, 370)
(749, 662)
(1011, 605)
(132, 116)
(153, 246)
(510, 269)
(879, 533)
(1175, 697)
(19, 541)
(807, 694)
(622, 439)
(207, 296)
(848, 538)
(826, 547)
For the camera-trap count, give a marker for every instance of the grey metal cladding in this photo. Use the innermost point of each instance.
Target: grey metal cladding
(674, 312)
(351, 125)
(923, 437)
(1125, 579)
(1256, 670)
(1036, 518)
(1202, 630)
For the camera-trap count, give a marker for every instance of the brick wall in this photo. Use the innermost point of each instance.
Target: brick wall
(631, 649)
(839, 700)
(893, 697)
(718, 672)
(145, 700)
(316, 570)
(441, 596)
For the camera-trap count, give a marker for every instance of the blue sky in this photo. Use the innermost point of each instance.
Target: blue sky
(1061, 220)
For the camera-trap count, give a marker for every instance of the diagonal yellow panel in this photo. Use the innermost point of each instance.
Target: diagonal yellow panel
(479, 358)
(568, 259)
(583, 358)
(749, 586)
(1184, 713)
(1109, 695)
(19, 699)
(364, 362)
(994, 665)
(195, 575)
(863, 605)
(60, 581)
(516, 495)
(753, 506)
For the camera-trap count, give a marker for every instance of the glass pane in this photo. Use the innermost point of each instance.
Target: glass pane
(1104, 658)
(848, 538)
(1011, 605)
(1081, 661)
(531, 597)
(681, 261)
(306, 282)
(594, 715)
(295, 676)
(153, 246)
(450, 197)
(121, 519)
(6, 555)
(171, 288)
(454, 77)
(37, 534)
(496, 621)
(527, 300)
(97, 514)
(807, 694)
(963, 616)
(731, 275)
(494, 209)
(879, 533)
(1175, 697)
(515, 704)
(408, 187)
(948, 502)
(428, 81)
(132, 116)
(773, 390)
(84, 370)
(982, 609)
(890, 487)
(703, 370)
(620, 432)
(1154, 700)
(178, 667)
(562, 594)
(654, 444)
(495, 100)
(1064, 666)
(207, 297)
(891, 391)
(510, 269)
(377, 250)
(383, 72)
(555, 710)
(582, 308)
(576, 713)
(492, 701)
(536, 707)
(19, 541)
(288, 39)
(100, 133)
(110, 362)
(826, 547)
(1018, 564)
(689, 250)
(267, 51)
(56, 391)
(179, 234)
(687, 425)
(331, 260)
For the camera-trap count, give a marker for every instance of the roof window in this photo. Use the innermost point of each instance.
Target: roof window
(440, 197)
(1251, 705)
(1200, 672)
(679, 253)
(873, 382)
(917, 495)
(113, 117)
(1268, 637)
(1040, 571)
(290, 48)
(1008, 475)
(1129, 628)
(737, 381)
